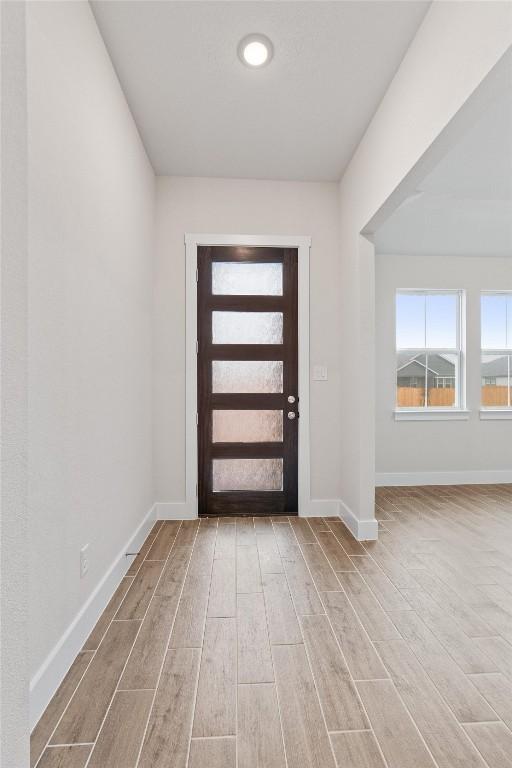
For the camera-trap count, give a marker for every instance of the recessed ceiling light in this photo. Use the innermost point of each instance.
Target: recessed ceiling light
(255, 50)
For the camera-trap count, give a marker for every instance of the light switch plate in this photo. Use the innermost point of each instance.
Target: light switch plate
(84, 561)
(319, 373)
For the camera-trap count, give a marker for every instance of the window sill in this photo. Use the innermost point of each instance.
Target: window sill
(432, 414)
(495, 414)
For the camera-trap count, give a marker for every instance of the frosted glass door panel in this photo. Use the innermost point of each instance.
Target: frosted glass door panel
(247, 426)
(247, 327)
(247, 376)
(244, 279)
(247, 475)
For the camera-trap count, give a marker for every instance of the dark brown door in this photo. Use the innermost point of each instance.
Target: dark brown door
(247, 380)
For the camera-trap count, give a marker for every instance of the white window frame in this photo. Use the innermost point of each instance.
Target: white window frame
(496, 411)
(432, 413)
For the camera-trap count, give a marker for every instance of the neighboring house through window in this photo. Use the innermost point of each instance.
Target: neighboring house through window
(496, 320)
(428, 349)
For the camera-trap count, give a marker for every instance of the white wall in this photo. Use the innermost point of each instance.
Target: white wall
(91, 236)
(456, 47)
(13, 391)
(230, 206)
(472, 446)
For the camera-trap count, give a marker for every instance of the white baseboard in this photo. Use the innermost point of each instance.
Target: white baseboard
(51, 673)
(319, 508)
(174, 510)
(180, 510)
(469, 477)
(362, 530)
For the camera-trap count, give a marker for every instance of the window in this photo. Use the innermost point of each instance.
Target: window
(429, 350)
(496, 314)
(445, 382)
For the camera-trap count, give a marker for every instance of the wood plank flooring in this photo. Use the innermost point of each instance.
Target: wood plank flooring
(284, 643)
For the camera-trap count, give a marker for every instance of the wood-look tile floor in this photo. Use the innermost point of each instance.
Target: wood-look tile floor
(266, 643)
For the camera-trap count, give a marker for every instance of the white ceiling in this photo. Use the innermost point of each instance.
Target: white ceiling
(200, 112)
(464, 207)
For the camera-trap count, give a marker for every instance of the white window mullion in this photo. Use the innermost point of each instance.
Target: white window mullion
(508, 342)
(425, 400)
(509, 381)
(425, 396)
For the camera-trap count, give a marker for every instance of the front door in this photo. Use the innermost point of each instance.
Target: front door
(247, 379)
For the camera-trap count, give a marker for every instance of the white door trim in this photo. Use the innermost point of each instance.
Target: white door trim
(303, 244)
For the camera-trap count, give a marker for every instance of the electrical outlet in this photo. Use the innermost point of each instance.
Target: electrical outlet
(84, 560)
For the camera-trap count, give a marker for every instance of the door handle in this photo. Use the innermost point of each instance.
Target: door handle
(291, 414)
(291, 399)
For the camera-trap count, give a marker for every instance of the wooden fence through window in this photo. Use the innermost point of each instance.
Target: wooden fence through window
(494, 395)
(414, 397)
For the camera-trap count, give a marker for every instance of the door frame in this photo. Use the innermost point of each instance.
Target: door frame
(303, 245)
